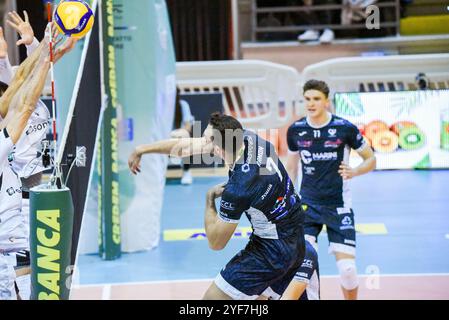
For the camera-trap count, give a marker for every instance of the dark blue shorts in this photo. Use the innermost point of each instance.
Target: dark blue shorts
(339, 222)
(265, 266)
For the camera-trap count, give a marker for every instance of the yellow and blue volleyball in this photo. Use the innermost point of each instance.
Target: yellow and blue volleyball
(74, 18)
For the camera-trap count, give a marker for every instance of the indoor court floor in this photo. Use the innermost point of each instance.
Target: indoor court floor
(402, 219)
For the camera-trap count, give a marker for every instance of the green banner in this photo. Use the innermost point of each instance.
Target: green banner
(51, 225)
(110, 196)
(146, 86)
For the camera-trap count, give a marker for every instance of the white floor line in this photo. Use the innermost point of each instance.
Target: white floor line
(107, 287)
(106, 293)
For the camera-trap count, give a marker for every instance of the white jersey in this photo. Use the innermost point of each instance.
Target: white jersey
(13, 234)
(26, 154)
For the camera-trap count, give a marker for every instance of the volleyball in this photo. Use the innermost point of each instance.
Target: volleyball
(74, 18)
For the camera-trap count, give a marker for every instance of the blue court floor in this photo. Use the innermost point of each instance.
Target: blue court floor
(412, 206)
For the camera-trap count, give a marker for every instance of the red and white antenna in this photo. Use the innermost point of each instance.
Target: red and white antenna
(57, 169)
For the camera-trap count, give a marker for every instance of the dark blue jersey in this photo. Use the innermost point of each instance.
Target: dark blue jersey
(260, 186)
(322, 150)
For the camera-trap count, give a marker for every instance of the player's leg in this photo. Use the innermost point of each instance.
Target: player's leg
(342, 243)
(348, 275)
(215, 293)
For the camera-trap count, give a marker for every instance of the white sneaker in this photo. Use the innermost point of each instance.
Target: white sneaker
(328, 36)
(309, 35)
(186, 178)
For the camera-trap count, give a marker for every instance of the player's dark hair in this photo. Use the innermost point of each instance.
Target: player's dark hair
(228, 132)
(317, 85)
(3, 88)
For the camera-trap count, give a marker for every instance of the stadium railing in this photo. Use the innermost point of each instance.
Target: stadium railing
(267, 95)
(260, 94)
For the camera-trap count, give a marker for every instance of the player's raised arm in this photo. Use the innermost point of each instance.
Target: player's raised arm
(175, 147)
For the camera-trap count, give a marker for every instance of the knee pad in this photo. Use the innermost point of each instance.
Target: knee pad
(348, 273)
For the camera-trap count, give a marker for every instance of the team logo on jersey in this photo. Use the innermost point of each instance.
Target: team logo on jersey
(302, 133)
(227, 205)
(332, 133)
(307, 264)
(305, 143)
(332, 144)
(279, 206)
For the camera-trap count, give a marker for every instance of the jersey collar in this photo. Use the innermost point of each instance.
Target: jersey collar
(322, 126)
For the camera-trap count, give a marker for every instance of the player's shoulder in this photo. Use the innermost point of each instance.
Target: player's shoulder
(341, 122)
(299, 124)
(238, 185)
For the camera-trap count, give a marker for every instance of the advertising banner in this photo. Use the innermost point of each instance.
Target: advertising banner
(406, 129)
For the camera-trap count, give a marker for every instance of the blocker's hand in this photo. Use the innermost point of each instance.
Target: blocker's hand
(346, 171)
(22, 27)
(134, 162)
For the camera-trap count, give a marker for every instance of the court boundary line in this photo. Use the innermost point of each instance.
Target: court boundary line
(389, 275)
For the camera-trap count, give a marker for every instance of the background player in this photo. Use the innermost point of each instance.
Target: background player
(259, 186)
(322, 142)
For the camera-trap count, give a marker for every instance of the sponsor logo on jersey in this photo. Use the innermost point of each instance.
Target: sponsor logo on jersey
(270, 186)
(302, 133)
(304, 207)
(346, 223)
(332, 143)
(308, 157)
(36, 128)
(309, 170)
(227, 205)
(303, 274)
(332, 132)
(307, 264)
(260, 153)
(347, 241)
(11, 191)
(305, 143)
(359, 137)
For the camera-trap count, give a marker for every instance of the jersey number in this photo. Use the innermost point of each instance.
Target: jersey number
(272, 166)
(316, 133)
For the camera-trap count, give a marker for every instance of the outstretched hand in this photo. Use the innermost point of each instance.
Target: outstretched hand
(134, 162)
(23, 27)
(346, 171)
